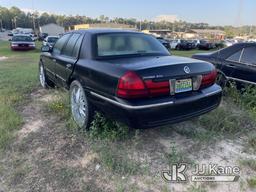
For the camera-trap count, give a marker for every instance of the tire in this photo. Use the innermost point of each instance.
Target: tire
(43, 79)
(82, 111)
(221, 80)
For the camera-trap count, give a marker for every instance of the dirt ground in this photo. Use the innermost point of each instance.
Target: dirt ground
(47, 156)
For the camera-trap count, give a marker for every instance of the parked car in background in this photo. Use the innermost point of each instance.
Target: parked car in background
(22, 42)
(50, 41)
(165, 42)
(129, 76)
(174, 43)
(42, 36)
(237, 63)
(205, 45)
(185, 45)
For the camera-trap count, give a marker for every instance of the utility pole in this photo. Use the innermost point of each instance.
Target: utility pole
(1, 23)
(250, 33)
(34, 23)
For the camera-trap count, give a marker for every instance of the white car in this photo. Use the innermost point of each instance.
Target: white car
(174, 43)
(50, 40)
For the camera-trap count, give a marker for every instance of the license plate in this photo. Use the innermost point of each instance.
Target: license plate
(183, 85)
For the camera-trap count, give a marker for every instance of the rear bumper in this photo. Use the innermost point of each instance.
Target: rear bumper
(160, 112)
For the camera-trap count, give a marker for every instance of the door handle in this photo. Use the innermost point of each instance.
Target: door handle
(68, 65)
(232, 66)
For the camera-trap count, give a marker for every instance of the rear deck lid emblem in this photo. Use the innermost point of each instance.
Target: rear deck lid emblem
(187, 69)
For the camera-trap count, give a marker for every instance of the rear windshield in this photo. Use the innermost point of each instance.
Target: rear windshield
(21, 38)
(125, 44)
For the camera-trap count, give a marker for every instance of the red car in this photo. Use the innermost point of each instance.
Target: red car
(22, 42)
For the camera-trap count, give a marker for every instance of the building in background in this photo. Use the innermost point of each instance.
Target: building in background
(52, 29)
(204, 34)
(103, 25)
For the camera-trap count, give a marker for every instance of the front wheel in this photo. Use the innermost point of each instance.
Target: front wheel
(44, 81)
(82, 110)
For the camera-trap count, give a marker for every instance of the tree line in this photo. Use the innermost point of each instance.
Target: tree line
(14, 17)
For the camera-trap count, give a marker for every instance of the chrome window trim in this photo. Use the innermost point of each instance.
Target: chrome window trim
(240, 58)
(241, 80)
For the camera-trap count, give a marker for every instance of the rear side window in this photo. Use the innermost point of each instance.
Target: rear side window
(235, 57)
(249, 55)
(68, 49)
(60, 43)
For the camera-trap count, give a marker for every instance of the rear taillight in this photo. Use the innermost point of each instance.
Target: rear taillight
(158, 88)
(209, 79)
(131, 86)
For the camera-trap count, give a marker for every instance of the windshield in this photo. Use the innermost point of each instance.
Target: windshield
(123, 44)
(52, 39)
(21, 38)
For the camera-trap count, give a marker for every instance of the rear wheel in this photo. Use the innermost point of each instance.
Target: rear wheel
(44, 81)
(82, 110)
(221, 80)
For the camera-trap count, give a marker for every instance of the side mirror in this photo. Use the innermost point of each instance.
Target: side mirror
(10, 40)
(46, 49)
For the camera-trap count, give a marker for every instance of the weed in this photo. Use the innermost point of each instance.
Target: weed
(221, 121)
(252, 141)
(252, 182)
(114, 157)
(251, 163)
(175, 157)
(103, 128)
(195, 188)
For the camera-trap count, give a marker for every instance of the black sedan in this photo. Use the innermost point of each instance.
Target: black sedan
(205, 45)
(237, 62)
(185, 45)
(129, 76)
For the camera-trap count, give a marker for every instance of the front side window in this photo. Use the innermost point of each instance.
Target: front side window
(60, 44)
(249, 55)
(124, 44)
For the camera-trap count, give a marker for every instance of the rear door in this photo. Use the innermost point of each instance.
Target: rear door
(245, 70)
(229, 65)
(68, 57)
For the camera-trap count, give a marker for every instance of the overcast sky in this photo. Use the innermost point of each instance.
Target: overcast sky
(214, 12)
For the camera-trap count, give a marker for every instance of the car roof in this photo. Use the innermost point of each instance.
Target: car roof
(105, 30)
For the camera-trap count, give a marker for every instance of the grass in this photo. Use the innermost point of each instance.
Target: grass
(251, 163)
(195, 188)
(104, 128)
(114, 158)
(176, 157)
(252, 182)
(252, 141)
(18, 76)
